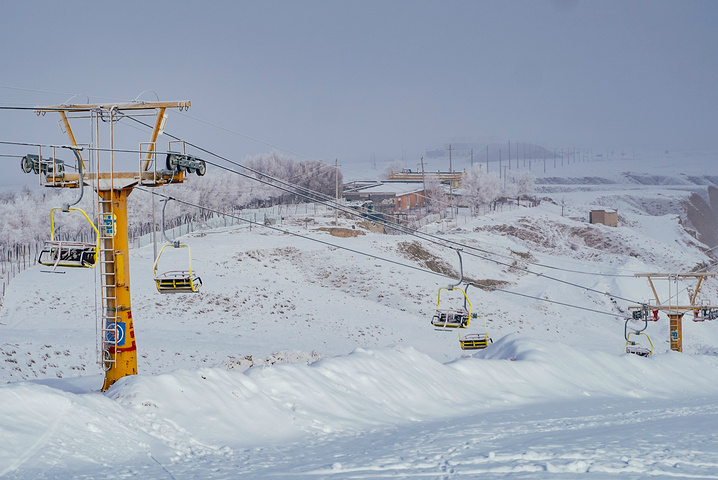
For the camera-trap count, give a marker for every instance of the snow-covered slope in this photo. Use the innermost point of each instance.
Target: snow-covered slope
(347, 368)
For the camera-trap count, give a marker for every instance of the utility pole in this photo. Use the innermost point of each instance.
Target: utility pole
(336, 191)
(472, 158)
(499, 163)
(423, 181)
(509, 156)
(487, 159)
(451, 183)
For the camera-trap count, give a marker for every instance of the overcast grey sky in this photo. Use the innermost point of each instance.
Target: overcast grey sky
(348, 79)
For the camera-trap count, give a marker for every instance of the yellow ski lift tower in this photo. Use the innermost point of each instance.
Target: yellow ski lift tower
(119, 350)
(672, 307)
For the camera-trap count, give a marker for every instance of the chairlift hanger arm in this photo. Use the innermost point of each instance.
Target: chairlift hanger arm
(461, 270)
(52, 222)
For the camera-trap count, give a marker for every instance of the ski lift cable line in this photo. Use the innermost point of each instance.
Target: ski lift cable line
(330, 202)
(555, 302)
(262, 142)
(565, 282)
(426, 237)
(316, 196)
(370, 255)
(442, 242)
(405, 229)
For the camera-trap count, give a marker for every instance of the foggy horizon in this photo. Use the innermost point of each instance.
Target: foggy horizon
(373, 81)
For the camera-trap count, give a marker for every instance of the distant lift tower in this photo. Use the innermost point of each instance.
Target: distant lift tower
(119, 350)
(673, 308)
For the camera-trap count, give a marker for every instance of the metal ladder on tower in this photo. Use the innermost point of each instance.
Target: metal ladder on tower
(109, 317)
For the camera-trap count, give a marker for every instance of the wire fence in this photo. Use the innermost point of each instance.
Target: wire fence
(16, 258)
(13, 260)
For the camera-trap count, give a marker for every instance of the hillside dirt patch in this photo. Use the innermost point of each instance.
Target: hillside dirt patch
(341, 232)
(416, 252)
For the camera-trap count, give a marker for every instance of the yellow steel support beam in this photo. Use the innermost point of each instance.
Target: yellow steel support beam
(124, 355)
(676, 331)
(695, 294)
(71, 136)
(655, 294)
(159, 125)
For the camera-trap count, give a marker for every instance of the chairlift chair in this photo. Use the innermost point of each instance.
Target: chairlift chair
(632, 345)
(445, 318)
(474, 341)
(175, 281)
(451, 317)
(57, 253)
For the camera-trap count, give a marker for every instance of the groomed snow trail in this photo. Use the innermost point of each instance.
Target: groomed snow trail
(606, 438)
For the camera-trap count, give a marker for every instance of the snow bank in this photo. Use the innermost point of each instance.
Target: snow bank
(214, 408)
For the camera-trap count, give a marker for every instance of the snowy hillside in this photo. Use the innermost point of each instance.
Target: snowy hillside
(349, 378)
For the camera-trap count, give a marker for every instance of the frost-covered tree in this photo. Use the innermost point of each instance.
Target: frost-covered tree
(523, 183)
(436, 199)
(25, 215)
(480, 188)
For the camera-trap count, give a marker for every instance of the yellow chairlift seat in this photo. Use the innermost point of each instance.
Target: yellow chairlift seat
(474, 341)
(635, 348)
(177, 281)
(56, 253)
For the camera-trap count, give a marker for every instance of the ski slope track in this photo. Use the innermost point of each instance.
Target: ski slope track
(305, 360)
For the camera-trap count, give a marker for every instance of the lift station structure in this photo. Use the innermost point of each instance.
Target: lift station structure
(95, 168)
(672, 306)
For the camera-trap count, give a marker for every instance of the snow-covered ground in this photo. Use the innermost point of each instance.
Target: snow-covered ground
(317, 359)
